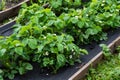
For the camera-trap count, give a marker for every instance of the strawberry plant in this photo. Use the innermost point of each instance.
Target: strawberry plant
(105, 13)
(106, 50)
(71, 23)
(26, 12)
(34, 43)
(59, 6)
(79, 23)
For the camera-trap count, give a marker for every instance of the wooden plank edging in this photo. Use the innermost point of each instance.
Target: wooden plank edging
(10, 12)
(7, 23)
(80, 74)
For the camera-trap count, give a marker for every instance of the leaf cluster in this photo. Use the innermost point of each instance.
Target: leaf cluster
(86, 25)
(2, 4)
(58, 6)
(38, 41)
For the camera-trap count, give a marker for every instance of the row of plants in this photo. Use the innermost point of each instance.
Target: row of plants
(4, 3)
(56, 5)
(51, 40)
(59, 6)
(86, 25)
(109, 68)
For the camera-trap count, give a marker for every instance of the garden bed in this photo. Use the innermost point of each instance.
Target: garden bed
(71, 72)
(108, 68)
(80, 74)
(11, 10)
(44, 42)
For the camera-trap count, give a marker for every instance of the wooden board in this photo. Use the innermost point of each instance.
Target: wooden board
(10, 12)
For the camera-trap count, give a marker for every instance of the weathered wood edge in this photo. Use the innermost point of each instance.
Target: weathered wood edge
(10, 12)
(8, 23)
(80, 74)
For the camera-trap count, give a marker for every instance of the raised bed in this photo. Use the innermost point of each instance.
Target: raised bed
(75, 72)
(80, 74)
(10, 12)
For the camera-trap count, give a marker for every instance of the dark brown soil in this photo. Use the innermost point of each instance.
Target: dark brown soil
(11, 3)
(8, 5)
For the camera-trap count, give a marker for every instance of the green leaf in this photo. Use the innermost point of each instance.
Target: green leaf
(119, 56)
(1, 37)
(94, 30)
(71, 62)
(1, 78)
(19, 50)
(61, 60)
(25, 41)
(74, 20)
(56, 3)
(40, 48)
(13, 71)
(66, 17)
(60, 39)
(94, 1)
(69, 38)
(50, 22)
(28, 66)
(51, 62)
(54, 50)
(83, 51)
(106, 50)
(118, 6)
(89, 31)
(80, 24)
(32, 43)
(70, 46)
(1, 71)
(11, 76)
(59, 23)
(21, 70)
(47, 62)
(16, 43)
(2, 52)
(77, 2)
(60, 47)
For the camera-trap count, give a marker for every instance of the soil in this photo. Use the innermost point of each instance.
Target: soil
(11, 4)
